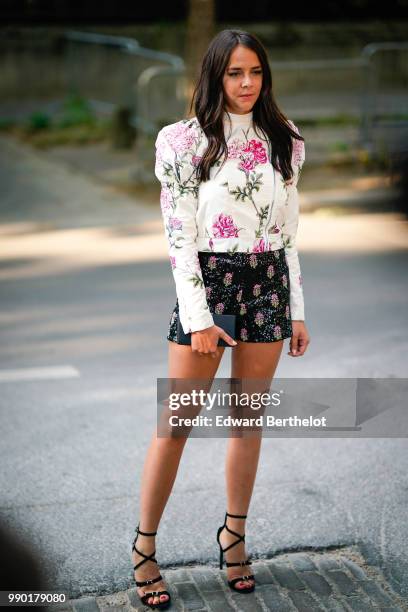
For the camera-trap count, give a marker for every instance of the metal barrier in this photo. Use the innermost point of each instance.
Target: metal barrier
(151, 83)
(127, 86)
(384, 116)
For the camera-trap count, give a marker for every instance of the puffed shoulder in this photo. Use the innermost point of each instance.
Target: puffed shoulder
(164, 156)
(176, 142)
(180, 135)
(298, 151)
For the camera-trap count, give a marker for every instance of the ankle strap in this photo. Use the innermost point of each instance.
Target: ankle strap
(235, 515)
(145, 533)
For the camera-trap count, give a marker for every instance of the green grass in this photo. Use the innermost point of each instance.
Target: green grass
(70, 135)
(75, 123)
(6, 124)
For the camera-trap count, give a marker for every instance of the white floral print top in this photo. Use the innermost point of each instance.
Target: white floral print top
(245, 206)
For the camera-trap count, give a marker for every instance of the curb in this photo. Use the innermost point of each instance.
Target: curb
(332, 580)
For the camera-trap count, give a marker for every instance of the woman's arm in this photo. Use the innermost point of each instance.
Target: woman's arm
(179, 200)
(289, 231)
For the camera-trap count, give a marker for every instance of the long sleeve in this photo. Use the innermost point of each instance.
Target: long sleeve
(289, 231)
(179, 200)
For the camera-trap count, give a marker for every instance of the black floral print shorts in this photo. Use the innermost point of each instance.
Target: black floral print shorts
(253, 286)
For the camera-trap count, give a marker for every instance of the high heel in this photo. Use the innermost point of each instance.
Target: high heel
(163, 604)
(241, 538)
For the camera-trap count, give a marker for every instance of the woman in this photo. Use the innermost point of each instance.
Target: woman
(230, 207)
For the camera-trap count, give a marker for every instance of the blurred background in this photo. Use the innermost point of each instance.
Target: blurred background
(84, 89)
(340, 70)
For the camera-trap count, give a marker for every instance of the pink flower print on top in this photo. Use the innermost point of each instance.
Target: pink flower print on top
(298, 156)
(274, 300)
(175, 224)
(195, 160)
(223, 227)
(258, 150)
(208, 291)
(287, 311)
(219, 308)
(235, 148)
(247, 164)
(244, 334)
(259, 247)
(253, 154)
(285, 280)
(259, 318)
(243, 309)
(256, 290)
(227, 278)
(182, 137)
(297, 152)
(166, 200)
(277, 332)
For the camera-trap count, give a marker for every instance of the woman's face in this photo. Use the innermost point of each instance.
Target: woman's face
(242, 76)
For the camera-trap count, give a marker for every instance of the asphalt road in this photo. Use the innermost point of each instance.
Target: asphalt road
(77, 289)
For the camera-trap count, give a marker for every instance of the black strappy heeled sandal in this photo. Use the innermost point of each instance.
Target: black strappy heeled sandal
(163, 604)
(241, 538)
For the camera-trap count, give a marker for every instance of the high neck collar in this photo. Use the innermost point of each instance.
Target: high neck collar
(238, 120)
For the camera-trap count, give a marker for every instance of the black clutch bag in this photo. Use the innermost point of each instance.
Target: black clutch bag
(226, 321)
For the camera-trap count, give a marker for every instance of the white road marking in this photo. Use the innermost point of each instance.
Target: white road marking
(44, 373)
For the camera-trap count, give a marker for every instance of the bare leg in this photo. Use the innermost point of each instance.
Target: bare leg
(249, 360)
(162, 462)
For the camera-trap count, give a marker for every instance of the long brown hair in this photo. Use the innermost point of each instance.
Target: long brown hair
(208, 102)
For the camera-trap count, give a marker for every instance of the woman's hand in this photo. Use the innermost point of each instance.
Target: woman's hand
(300, 339)
(206, 340)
